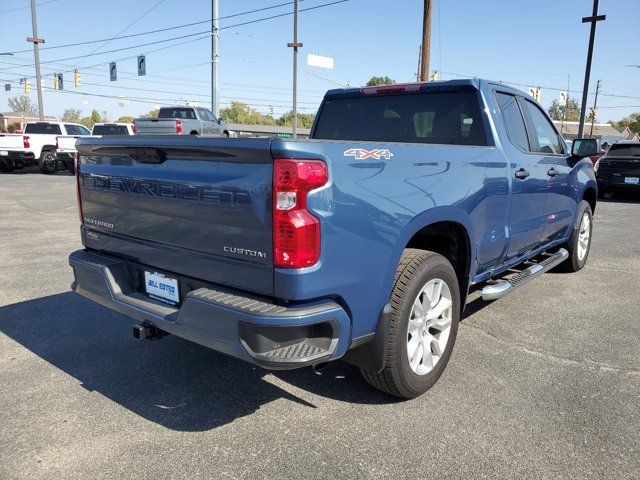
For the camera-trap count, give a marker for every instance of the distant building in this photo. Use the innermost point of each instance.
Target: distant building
(266, 131)
(13, 118)
(602, 131)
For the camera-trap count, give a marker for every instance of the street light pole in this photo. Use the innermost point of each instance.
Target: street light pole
(585, 90)
(295, 46)
(215, 59)
(35, 40)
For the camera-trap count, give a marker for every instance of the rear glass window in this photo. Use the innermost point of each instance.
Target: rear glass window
(110, 130)
(183, 113)
(624, 150)
(45, 128)
(444, 118)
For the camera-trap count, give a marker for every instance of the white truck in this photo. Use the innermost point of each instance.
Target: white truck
(106, 129)
(38, 146)
(182, 121)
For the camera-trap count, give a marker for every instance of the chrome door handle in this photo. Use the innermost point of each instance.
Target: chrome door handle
(522, 174)
(552, 172)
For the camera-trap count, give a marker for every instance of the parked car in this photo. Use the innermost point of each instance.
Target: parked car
(619, 169)
(361, 243)
(182, 121)
(114, 129)
(39, 145)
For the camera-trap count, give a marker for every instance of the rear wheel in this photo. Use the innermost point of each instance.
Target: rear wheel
(579, 244)
(47, 162)
(6, 166)
(425, 304)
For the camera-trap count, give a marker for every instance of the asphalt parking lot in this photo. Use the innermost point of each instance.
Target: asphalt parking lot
(542, 384)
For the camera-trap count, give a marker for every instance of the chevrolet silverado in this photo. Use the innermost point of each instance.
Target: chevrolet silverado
(360, 243)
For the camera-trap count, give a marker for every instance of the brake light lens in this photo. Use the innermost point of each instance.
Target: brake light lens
(25, 141)
(57, 144)
(134, 129)
(296, 232)
(179, 127)
(76, 167)
(391, 89)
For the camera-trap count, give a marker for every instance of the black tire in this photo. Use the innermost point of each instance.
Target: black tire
(6, 166)
(416, 269)
(71, 166)
(193, 132)
(574, 263)
(47, 162)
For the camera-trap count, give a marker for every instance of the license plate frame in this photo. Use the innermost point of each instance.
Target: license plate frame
(161, 287)
(632, 180)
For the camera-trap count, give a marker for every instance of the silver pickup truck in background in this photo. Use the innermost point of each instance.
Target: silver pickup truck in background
(182, 121)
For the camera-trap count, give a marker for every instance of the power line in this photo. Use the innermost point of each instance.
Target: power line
(122, 31)
(186, 25)
(28, 7)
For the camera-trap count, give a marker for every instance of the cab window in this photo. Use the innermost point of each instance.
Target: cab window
(545, 137)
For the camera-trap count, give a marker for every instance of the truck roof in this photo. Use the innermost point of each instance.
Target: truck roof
(462, 84)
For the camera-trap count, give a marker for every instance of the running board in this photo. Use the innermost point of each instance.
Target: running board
(501, 289)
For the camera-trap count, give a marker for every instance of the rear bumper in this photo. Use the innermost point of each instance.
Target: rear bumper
(19, 156)
(259, 332)
(617, 186)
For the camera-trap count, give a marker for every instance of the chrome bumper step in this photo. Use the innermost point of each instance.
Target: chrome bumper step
(503, 288)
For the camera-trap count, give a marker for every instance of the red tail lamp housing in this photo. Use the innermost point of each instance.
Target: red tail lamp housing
(179, 127)
(296, 232)
(25, 141)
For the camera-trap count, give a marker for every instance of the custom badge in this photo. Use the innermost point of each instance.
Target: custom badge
(361, 153)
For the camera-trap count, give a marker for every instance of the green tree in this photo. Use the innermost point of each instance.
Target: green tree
(305, 120)
(239, 112)
(151, 114)
(632, 121)
(569, 112)
(71, 115)
(375, 81)
(23, 105)
(91, 120)
(125, 119)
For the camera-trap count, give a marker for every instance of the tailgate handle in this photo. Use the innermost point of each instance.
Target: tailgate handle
(147, 155)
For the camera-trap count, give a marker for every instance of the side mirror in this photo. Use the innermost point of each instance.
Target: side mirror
(220, 121)
(585, 147)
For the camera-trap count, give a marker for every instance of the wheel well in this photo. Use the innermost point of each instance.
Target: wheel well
(451, 240)
(591, 197)
(193, 132)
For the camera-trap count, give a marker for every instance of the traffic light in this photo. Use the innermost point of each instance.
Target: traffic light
(113, 71)
(434, 76)
(592, 114)
(27, 86)
(76, 78)
(142, 65)
(58, 81)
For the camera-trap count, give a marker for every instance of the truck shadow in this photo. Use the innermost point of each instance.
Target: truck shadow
(172, 382)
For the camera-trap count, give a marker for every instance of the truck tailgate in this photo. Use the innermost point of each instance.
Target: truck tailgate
(199, 208)
(157, 126)
(10, 141)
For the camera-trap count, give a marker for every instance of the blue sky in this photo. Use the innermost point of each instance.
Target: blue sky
(541, 43)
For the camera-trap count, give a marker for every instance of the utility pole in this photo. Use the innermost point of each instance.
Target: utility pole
(585, 90)
(595, 105)
(295, 45)
(35, 40)
(426, 42)
(215, 59)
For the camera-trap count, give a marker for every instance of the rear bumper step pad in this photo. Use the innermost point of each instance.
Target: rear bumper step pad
(270, 335)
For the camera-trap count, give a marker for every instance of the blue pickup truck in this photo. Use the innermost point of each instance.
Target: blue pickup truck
(361, 243)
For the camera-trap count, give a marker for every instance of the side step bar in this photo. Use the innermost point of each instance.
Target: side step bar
(501, 289)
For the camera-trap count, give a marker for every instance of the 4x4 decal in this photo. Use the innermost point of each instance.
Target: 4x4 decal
(361, 153)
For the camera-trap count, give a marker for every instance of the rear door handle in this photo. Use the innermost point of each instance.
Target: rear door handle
(522, 174)
(552, 172)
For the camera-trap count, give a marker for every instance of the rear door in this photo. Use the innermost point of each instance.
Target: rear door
(195, 207)
(528, 180)
(548, 146)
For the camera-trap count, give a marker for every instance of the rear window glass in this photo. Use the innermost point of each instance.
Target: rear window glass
(183, 113)
(45, 128)
(624, 150)
(444, 118)
(110, 130)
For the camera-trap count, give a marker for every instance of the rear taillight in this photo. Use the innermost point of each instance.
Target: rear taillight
(391, 89)
(134, 129)
(179, 127)
(25, 141)
(76, 167)
(296, 232)
(57, 144)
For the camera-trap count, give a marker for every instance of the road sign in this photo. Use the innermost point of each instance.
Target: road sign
(142, 65)
(113, 71)
(7, 87)
(58, 81)
(534, 92)
(564, 98)
(320, 61)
